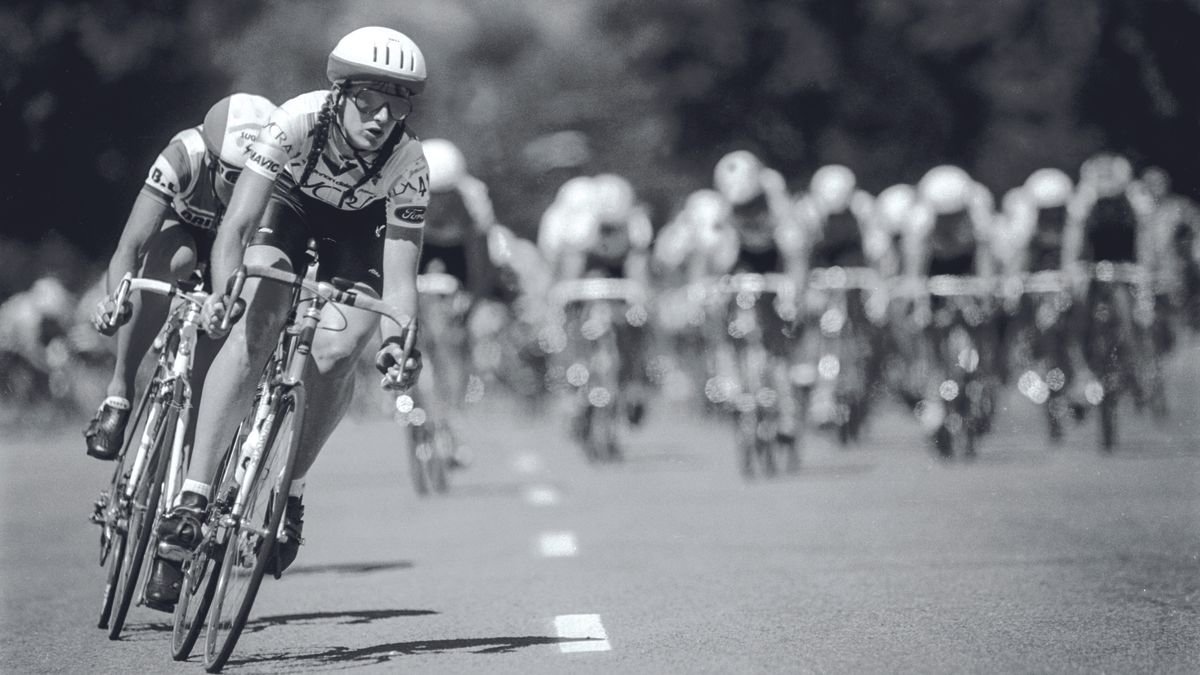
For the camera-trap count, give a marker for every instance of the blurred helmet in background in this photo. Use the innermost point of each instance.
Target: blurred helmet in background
(1049, 188)
(576, 194)
(738, 177)
(1108, 174)
(378, 54)
(833, 185)
(704, 209)
(1157, 181)
(893, 205)
(447, 166)
(614, 198)
(229, 128)
(946, 188)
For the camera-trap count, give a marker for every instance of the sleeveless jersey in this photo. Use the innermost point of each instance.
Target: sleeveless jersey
(755, 226)
(1045, 246)
(952, 244)
(282, 147)
(1111, 227)
(182, 179)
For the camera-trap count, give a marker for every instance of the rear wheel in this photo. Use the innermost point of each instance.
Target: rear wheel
(250, 543)
(142, 516)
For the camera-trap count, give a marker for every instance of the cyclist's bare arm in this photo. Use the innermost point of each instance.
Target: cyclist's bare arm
(401, 254)
(145, 218)
(246, 207)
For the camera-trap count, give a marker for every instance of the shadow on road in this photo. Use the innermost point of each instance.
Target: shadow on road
(348, 568)
(384, 653)
(344, 618)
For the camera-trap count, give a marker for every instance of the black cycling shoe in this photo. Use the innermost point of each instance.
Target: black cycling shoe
(180, 531)
(105, 434)
(287, 548)
(162, 589)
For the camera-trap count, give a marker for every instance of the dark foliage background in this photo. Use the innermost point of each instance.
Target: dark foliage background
(535, 91)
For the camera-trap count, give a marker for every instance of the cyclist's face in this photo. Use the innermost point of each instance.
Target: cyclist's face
(371, 114)
(224, 178)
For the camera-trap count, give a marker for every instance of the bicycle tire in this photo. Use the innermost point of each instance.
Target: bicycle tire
(142, 520)
(228, 612)
(201, 572)
(112, 537)
(417, 465)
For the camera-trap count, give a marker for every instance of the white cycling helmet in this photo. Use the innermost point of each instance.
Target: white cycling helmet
(893, 206)
(1049, 188)
(738, 177)
(946, 188)
(232, 124)
(833, 185)
(705, 209)
(614, 198)
(577, 194)
(378, 54)
(1108, 174)
(447, 166)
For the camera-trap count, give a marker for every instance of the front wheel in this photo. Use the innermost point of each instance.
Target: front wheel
(141, 519)
(252, 530)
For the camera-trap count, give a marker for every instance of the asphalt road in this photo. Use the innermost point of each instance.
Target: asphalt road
(875, 559)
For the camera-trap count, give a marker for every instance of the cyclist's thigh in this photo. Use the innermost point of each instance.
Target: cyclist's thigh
(170, 253)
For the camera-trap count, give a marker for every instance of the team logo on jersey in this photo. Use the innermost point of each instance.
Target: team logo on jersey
(410, 214)
(265, 162)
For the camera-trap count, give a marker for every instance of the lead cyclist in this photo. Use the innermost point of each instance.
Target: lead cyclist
(342, 167)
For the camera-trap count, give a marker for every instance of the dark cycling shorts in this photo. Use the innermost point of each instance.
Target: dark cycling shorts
(453, 258)
(349, 243)
(202, 242)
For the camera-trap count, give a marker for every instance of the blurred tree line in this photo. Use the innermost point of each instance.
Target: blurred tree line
(536, 91)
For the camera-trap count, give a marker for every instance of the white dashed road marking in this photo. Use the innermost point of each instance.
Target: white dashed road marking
(528, 463)
(558, 544)
(583, 627)
(541, 495)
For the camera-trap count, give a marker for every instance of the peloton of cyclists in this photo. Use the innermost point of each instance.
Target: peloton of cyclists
(168, 236)
(342, 167)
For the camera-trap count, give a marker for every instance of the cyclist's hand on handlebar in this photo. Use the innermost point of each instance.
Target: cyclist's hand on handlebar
(397, 376)
(216, 306)
(107, 317)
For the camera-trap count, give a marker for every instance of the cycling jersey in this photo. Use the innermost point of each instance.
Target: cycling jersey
(952, 244)
(1111, 226)
(841, 243)
(181, 179)
(1045, 246)
(283, 145)
(754, 223)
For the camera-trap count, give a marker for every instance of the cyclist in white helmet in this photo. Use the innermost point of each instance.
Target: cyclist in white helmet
(890, 214)
(836, 216)
(762, 235)
(603, 231)
(950, 226)
(339, 166)
(168, 236)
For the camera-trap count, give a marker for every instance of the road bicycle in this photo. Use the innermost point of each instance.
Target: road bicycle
(960, 314)
(145, 481)
(244, 523)
(843, 335)
(431, 446)
(594, 312)
(752, 304)
(1043, 333)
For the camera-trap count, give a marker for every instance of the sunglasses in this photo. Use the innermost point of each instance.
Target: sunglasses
(369, 101)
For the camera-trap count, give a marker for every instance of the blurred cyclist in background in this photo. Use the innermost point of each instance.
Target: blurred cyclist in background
(1110, 223)
(457, 224)
(597, 229)
(168, 236)
(761, 235)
